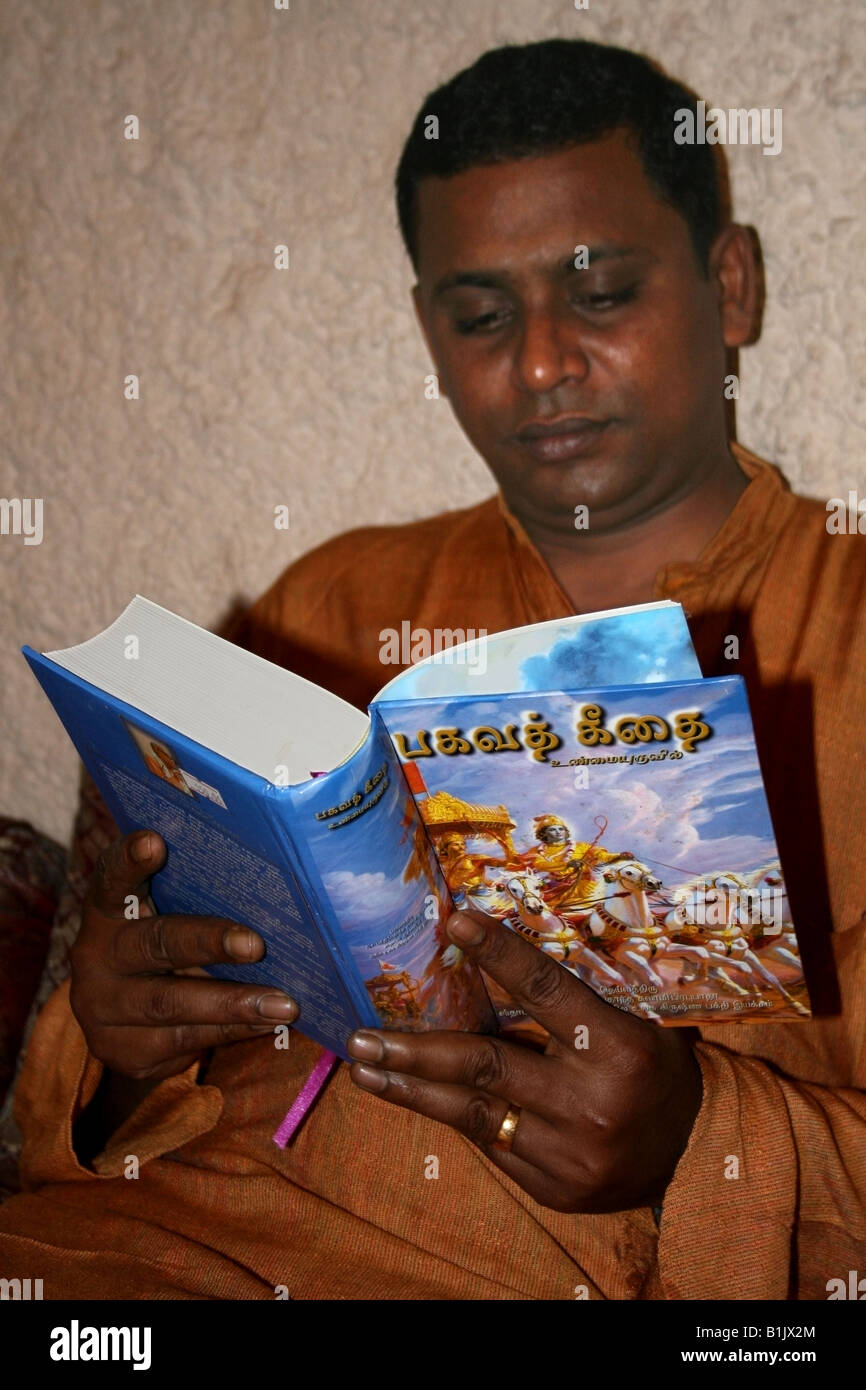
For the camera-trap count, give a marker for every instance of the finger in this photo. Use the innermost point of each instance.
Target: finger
(542, 986)
(122, 871)
(180, 1001)
(515, 1074)
(473, 1113)
(542, 1187)
(176, 942)
(169, 1050)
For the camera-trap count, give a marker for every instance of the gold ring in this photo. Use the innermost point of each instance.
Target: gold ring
(507, 1130)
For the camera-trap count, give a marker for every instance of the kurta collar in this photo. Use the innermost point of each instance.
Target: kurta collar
(740, 546)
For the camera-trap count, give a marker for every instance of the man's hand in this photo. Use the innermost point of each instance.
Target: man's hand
(601, 1126)
(134, 989)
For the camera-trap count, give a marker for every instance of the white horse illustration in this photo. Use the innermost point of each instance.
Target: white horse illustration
(557, 936)
(780, 944)
(715, 904)
(622, 917)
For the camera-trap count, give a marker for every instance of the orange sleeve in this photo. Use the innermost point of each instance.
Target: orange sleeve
(769, 1198)
(59, 1079)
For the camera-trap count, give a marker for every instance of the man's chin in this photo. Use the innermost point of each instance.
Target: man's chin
(569, 500)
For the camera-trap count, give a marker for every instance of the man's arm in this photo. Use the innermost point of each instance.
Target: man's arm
(769, 1198)
(115, 1099)
(143, 1012)
(762, 1178)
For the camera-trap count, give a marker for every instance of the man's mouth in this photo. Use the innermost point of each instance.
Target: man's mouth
(562, 438)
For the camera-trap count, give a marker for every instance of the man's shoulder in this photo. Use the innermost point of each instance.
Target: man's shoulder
(814, 584)
(408, 554)
(353, 580)
(824, 541)
(812, 544)
(396, 539)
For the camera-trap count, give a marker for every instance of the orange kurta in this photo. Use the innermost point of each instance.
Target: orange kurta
(346, 1211)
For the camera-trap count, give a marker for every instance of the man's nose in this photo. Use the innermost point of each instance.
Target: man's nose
(550, 349)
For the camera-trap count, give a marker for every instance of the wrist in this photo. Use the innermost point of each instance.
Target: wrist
(115, 1099)
(678, 1122)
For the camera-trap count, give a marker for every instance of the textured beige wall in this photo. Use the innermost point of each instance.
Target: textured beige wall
(306, 387)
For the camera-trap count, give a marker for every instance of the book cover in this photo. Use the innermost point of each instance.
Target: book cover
(623, 832)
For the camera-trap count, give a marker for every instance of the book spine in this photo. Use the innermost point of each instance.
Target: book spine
(280, 807)
(367, 854)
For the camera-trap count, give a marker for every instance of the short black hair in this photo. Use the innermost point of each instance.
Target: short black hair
(522, 101)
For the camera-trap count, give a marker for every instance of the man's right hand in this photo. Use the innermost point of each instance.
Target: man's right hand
(145, 1006)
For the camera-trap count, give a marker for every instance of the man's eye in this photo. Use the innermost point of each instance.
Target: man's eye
(595, 303)
(481, 322)
(612, 300)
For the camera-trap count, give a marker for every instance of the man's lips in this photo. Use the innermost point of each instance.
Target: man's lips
(558, 424)
(561, 438)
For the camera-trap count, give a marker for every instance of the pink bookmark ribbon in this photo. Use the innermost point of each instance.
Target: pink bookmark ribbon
(306, 1097)
(311, 1087)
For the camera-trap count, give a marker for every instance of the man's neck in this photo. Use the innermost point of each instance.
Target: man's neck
(618, 567)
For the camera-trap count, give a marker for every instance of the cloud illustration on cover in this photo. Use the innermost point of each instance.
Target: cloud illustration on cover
(635, 649)
(643, 644)
(704, 813)
(367, 900)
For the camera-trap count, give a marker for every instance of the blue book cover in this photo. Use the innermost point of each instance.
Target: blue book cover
(336, 874)
(623, 831)
(286, 809)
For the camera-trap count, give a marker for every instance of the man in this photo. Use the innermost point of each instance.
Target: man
(565, 866)
(162, 763)
(657, 1163)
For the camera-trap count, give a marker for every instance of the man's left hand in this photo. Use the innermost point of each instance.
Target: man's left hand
(604, 1115)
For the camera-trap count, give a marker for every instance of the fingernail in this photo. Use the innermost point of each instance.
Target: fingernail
(237, 942)
(464, 930)
(367, 1046)
(141, 848)
(278, 1006)
(371, 1078)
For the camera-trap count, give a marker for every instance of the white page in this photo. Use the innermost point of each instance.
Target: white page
(257, 715)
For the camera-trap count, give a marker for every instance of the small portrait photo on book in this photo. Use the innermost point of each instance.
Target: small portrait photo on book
(159, 759)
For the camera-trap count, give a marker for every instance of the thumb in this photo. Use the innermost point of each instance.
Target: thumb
(467, 927)
(123, 870)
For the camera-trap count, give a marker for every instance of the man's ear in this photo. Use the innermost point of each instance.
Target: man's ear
(737, 269)
(422, 321)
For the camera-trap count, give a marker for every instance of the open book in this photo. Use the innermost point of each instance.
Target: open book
(577, 779)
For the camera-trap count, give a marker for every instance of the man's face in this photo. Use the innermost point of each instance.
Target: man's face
(629, 350)
(553, 835)
(453, 846)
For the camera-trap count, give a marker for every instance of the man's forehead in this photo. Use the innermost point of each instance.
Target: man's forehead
(535, 210)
